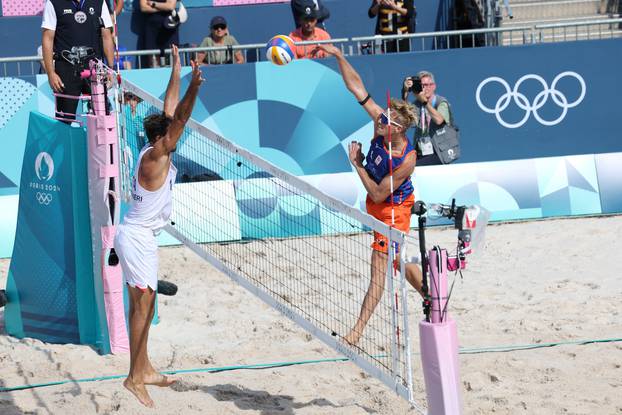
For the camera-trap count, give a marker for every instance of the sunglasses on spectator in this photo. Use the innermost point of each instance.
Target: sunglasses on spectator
(384, 119)
(219, 27)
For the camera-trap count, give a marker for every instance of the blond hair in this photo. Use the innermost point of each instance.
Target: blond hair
(403, 113)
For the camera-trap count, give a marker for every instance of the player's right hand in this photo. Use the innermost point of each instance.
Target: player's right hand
(56, 83)
(197, 75)
(328, 49)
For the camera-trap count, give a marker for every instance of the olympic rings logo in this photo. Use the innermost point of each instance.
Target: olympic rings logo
(538, 102)
(44, 198)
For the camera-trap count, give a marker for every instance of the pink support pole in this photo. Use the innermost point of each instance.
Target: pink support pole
(439, 344)
(438, 283)
(103, 166)
(441, 368)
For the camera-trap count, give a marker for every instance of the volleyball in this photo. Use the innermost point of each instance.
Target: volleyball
(280, 50)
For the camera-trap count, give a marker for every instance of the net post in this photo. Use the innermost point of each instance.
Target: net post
(394, 321)
(406, 329)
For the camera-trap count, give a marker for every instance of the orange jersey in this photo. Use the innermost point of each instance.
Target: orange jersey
(304, 51)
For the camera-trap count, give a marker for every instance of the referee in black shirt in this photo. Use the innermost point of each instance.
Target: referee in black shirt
(67, 24)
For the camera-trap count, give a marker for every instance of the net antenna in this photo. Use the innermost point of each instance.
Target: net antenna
(301, 251)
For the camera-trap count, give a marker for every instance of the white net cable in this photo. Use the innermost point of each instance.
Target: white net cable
(303, 252)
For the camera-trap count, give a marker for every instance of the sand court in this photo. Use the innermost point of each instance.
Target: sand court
(542, 283)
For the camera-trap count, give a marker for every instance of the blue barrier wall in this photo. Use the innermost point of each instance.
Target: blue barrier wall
(21, 36)
(301, 118)
(50, 282)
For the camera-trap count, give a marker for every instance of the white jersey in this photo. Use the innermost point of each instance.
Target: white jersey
(151, 209)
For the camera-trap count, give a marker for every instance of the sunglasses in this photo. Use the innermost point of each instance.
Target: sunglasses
(219, 27)
(384, 119)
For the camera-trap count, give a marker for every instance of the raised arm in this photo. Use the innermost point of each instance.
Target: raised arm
(353, 81)
(182, 113)
(171, 98)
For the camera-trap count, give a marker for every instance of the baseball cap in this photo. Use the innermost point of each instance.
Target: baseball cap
(216, 20)
(309, 13)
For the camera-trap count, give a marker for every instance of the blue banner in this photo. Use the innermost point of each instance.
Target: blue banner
(52, 259)
(537, 124)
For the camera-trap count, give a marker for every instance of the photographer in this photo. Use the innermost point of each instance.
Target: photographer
(73, 33)
(434, 113)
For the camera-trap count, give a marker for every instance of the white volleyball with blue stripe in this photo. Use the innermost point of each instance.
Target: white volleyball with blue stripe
(281, 50)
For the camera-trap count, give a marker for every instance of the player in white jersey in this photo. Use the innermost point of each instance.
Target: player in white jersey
(135, 242)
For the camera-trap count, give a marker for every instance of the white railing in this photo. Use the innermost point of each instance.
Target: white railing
(592, 29)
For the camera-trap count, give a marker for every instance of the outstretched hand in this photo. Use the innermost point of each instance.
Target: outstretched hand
(355, 154)
(197, 75)
(175, 63)
(328, 49)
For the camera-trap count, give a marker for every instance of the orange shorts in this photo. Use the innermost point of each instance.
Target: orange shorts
(382, 212)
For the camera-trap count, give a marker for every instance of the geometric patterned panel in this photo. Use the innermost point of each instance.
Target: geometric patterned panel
(5, 182)
(22, 7)
(14, 93)
(609, 170)
(568, 185)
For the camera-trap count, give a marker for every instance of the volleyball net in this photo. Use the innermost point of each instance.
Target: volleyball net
(303, 252)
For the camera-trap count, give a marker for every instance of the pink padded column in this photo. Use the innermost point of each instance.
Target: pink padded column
(441, 368)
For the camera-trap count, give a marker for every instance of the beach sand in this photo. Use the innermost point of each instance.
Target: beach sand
(536, 282)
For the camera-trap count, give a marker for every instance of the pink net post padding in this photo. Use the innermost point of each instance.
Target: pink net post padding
(441, 367)
(115, 309)
(22, 7)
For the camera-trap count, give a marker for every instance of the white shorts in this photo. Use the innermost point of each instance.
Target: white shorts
(137, 249)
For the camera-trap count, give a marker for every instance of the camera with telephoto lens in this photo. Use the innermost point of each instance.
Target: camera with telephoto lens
(79, 57)
(416, 87)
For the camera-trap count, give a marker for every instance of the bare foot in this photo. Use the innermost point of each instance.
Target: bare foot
(139, 390)
(158, 379)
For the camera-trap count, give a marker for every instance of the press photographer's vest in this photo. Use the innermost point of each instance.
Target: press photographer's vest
(77, 24)
(430, 126)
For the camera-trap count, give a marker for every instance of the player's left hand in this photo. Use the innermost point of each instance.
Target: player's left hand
(355, 154)
(327, 48)
(175, 62)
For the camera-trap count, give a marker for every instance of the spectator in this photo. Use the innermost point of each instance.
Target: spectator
(299, 7)
(68, 25)
(309, 31)
(394, 17)
(219, 36)
(135, 133)
(434, 111)
(159, 32)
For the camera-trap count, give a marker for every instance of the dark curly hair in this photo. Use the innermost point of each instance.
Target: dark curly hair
(156, 126)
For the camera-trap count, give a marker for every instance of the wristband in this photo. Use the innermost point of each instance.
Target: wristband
(364, 100)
